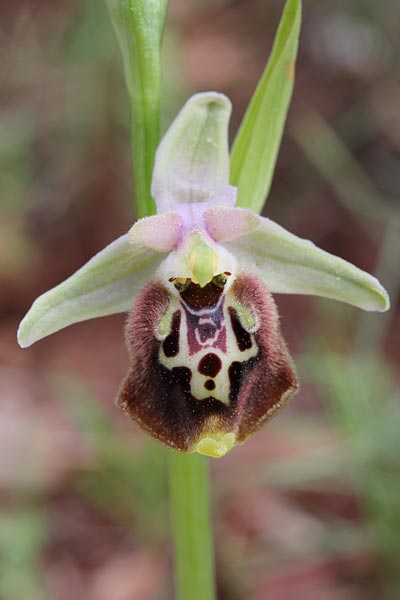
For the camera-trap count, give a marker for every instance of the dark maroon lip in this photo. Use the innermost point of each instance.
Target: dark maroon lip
(160, 398)
(202, 297)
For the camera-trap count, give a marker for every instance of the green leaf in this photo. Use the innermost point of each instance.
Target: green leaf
(107, 284)
(292, 265)
(139, 25)
(257, 142)
(23, 538)
(192, 161)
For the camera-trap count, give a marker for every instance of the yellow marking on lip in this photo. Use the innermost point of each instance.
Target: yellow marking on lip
(216, 445)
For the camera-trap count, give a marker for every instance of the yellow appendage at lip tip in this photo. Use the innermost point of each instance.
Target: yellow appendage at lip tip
(216, 446)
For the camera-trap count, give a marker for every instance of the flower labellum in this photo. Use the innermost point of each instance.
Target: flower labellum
(208, 364)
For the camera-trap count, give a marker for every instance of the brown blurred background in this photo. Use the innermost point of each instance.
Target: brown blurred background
(309, 508)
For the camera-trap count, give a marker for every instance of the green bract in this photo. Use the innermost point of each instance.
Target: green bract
(256, 146)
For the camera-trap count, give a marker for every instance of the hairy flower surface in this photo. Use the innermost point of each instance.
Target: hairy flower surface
(209, 365)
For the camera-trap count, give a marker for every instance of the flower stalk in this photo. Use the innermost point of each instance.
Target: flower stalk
(139, 25)
(191, 526)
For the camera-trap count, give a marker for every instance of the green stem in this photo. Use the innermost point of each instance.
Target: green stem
(147, 19)
(139, 25)
(145, 130)
(191, 526)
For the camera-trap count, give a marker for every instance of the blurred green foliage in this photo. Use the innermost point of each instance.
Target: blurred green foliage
(364, 403)
(23, 534)
(130, 487)
(64, 107)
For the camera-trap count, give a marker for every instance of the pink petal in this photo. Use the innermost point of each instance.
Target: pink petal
(160, 233)
(225, 224)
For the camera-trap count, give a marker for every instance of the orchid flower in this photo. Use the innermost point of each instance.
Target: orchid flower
(208, 362)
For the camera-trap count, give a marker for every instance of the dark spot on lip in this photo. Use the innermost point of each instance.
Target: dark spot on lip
(206, 331)
(243, 338)
(236, 373)
(210, 365)
(171, 342)
(209, 385)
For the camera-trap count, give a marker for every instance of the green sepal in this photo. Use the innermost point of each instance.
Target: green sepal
(107, 284)
(192, 161)
(257, 142)
(292, 265)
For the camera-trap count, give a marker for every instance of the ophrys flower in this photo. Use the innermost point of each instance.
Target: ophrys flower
(208, 362)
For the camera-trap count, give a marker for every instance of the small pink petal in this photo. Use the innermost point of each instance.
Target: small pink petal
(160, 232)
(225, 224)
